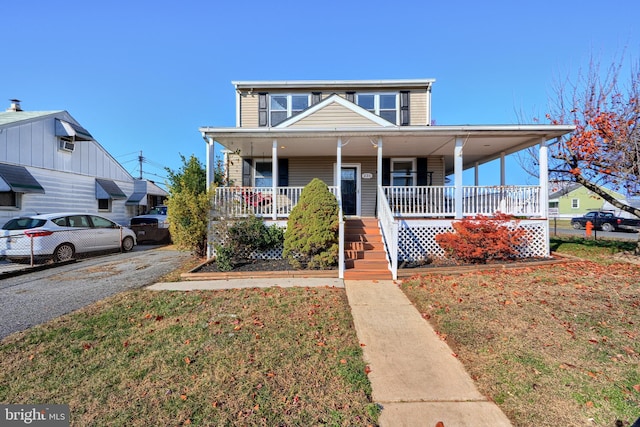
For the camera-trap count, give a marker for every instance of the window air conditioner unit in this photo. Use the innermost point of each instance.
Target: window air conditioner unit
(67, 143)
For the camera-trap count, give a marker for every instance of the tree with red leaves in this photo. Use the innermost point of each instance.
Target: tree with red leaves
(604, 150)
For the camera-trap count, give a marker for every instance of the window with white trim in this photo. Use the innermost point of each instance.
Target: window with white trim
(281, 107)
(575, 203)
(384, 105)
(263, 176)
(403, 172)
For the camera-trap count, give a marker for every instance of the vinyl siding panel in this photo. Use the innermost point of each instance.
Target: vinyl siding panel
(68, 178)
(66, 192)
(249, 110)
(418, 108)
(334, 115)
(436, 165)
(235, 170)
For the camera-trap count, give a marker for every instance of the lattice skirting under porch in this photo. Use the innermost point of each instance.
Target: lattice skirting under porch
(417, 239)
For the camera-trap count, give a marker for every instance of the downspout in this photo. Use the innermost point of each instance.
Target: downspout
(379, 174)
(340, 216)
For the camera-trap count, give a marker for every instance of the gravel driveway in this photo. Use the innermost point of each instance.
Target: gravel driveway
(39, 296)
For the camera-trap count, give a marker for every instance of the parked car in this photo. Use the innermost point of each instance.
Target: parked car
(60, 236)
(605, 221)
(152, 226)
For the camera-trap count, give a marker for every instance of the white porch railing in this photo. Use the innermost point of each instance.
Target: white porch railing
(439, 201)
(259, 201)
(511, 199)
(389, 227)
(431, 201)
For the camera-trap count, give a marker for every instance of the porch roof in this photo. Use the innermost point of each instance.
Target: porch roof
(482, 143)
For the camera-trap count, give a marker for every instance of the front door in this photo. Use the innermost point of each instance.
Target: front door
(349, 177)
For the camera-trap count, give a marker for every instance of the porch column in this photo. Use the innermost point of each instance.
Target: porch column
(274, 179)
(544, 178)
(339, 197)
(476, 174)
(379, 174)
(503, 179)
(211, 162)
(457, 176)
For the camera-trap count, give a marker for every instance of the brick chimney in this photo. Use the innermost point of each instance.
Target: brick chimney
(15, 105)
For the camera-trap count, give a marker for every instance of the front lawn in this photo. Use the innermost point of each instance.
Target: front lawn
(238, 357)
(556, 345)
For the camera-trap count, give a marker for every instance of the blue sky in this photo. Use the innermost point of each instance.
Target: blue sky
(144, 75)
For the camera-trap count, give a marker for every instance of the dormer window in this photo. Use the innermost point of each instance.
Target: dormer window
(384, 105)
(281, 107)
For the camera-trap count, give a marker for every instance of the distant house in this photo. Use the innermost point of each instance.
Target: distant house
(569, 199)
(50, 163)
(374, 144)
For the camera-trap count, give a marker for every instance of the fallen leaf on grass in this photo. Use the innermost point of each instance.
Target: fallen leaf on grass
(637, 388)
(183, 396)
(343, 361)
(367, 369)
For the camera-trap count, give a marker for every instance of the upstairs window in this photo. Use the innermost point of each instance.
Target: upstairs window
(281, 107)
(384, 105)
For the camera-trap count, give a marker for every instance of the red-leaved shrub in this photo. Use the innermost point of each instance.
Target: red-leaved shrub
(482, 239)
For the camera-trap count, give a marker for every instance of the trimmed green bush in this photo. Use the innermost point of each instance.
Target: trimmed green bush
(311, 238)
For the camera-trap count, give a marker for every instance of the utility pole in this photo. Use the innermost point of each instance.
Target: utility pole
(140, 159)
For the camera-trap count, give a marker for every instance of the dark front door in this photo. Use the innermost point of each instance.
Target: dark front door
(349, 190)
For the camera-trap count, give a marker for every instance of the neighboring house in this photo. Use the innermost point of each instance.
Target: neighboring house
(373, 144)
(50, 163)
(569, 199)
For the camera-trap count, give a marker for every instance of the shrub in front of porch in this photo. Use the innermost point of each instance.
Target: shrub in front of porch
(481, 239)
(240, 239)
(311, 238)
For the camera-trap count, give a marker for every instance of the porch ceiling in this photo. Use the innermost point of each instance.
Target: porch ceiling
(481, 143)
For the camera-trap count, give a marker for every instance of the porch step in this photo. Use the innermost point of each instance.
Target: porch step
(365, 256)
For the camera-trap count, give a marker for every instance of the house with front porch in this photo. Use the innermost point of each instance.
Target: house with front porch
(373, 143)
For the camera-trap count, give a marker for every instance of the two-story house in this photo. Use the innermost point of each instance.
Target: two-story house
(374, 145)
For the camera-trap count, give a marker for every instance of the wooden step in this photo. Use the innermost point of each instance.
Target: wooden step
(364, 246)
(370, 255)
(365, 256)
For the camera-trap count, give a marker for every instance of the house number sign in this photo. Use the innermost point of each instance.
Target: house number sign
(367, 175)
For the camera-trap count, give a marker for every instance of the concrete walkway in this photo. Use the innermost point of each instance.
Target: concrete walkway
(414, 375)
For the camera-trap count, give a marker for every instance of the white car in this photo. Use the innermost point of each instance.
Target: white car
(60, 236)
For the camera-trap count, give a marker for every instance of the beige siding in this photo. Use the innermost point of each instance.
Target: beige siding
(249, 107)
(303, 170)
(418, 108)
(235, 170)
(436, 165)
(249, 110)
(334, 115)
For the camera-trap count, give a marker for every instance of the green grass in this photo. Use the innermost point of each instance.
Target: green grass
(238, 357)
(599, 250)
